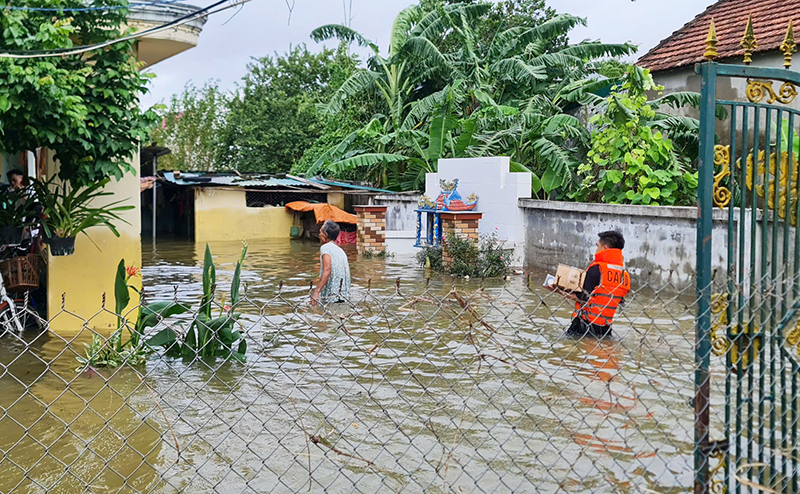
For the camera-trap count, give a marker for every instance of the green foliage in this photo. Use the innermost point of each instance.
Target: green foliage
(191, 128)
(69, 209)
(83, 107)
(272, 120)
(631, 161)
(209, 336)
(486, 258)
(431, 258)
(133, 352)
(17, 208)
(383, 254)
(449, 89)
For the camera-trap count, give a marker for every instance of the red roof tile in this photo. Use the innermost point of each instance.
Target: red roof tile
(687, 45)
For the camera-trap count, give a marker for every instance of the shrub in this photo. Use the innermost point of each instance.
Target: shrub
(478, 259)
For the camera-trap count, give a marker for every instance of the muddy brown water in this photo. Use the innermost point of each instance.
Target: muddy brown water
(403, 392)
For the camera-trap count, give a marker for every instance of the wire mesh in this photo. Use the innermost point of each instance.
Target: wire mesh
(437, 387)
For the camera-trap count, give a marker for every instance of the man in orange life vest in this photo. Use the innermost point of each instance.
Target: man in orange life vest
(604, 287)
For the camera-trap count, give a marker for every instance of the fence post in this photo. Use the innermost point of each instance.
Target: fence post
(705, 205)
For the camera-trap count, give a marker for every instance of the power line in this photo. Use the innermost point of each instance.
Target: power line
(63, 52)
(90, 9)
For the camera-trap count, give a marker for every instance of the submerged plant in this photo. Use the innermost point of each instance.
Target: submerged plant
(209, 336)
(485, 258)
(113, 352)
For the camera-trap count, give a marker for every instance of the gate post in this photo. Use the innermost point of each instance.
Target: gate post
(705, 206)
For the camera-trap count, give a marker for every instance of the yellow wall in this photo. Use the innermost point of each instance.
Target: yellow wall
(336, 199)
(221, 214)
(89, 273)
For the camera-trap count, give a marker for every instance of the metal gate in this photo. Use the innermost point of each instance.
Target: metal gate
(748, 337)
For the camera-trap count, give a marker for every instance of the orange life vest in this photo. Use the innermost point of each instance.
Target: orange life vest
(615, 283)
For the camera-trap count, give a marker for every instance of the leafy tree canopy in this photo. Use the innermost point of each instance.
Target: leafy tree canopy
(272, 118)
(191, 127)
(83, 107)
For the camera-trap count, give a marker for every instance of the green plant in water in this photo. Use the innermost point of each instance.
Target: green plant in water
(113, 352)
(382, 254)
(209, 336)
(486, 258)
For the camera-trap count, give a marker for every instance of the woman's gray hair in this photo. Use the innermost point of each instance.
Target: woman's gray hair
(331, 229)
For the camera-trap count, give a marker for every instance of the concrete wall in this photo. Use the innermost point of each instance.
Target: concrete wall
(498, 190)
(660, 241)
(222, 214)
(400, 214)
(89, 273)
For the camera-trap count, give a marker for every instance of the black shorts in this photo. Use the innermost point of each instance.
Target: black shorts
(581, 328)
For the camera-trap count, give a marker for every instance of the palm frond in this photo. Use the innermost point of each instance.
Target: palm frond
(364, 161)
(517, 70)
(422, 51)
(335, 150)
(401, 27)
(595, 49)
(437, 22)
(355, 85)
(559, 162)
(342, 33)
(517, 38)
(682, 99)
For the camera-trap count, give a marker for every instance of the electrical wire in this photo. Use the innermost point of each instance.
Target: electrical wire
(63, 52)
(90, 9)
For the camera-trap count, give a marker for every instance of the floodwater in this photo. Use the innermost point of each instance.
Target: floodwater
(405, 391)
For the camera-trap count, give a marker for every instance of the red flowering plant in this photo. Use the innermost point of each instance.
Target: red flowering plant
(115, 352)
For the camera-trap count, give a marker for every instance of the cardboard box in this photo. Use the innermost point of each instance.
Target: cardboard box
(569, 278)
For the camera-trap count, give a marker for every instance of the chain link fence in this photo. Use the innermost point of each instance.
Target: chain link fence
(466, 387)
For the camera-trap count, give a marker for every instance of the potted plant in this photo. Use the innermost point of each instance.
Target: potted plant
(16, 212)
(68, 210)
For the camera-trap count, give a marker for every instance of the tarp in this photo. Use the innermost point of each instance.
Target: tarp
(323, 212)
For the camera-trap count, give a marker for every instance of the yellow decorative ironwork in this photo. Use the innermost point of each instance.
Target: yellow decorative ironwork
(722, 158)
(783, 184)
(749, 42)
(718, 485)
(793, 338)
(711, 42)
(719, 328)
(757, 90)
(788, 47)
(751, 343)
(722, 345)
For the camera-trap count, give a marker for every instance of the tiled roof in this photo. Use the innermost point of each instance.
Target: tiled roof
(687, 45)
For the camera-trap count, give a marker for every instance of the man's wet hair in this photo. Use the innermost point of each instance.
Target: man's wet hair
(331, 229)
(612, 239)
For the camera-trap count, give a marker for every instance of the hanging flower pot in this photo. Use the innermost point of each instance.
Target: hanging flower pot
(69, 210)
(61, 246)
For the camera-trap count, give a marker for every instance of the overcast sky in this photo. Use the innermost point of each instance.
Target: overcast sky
(263, 27)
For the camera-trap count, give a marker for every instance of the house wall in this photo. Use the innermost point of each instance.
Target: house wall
(221, 214)
(84, 277)
(728, 89)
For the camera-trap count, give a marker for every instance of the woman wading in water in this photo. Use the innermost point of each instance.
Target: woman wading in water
(334, 277)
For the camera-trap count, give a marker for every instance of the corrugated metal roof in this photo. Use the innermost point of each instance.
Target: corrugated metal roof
(256, 182)
(347, 185)
(232, 180)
